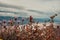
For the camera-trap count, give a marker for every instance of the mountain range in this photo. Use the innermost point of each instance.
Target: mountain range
(35, 19)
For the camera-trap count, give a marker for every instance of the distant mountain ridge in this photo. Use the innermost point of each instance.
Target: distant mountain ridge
(35, 19)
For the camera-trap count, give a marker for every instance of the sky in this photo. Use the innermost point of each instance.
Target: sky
(25, 8)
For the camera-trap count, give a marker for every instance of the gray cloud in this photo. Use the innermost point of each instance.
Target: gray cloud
(10, 6)
(40, 12)
(49, 0)
(39, 8)
(12, 13)
(36, 11)
(8, 12)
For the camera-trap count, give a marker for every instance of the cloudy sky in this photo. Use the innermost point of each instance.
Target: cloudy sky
(25, 8)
